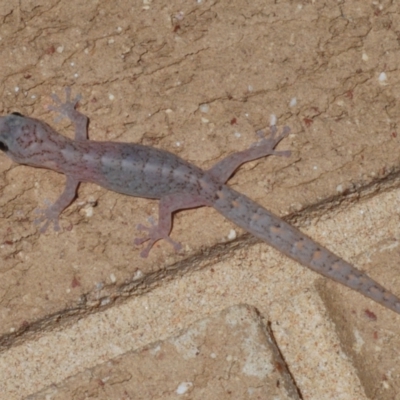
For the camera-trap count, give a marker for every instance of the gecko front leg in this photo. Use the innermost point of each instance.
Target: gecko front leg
(68, 109)
(52, 213)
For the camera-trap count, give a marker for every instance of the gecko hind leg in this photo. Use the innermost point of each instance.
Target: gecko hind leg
(167, 206)
(154, 235)
(225, 168)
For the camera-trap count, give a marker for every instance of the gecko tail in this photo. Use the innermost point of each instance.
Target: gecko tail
(268, 227)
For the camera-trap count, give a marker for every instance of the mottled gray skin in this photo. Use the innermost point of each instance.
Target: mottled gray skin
(144, 171)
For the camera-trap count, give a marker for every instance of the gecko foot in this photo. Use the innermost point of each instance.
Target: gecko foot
(66, 109)
(48, 216)
(154, 235)
(271, 141)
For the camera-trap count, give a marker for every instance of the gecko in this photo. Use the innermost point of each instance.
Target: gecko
(143, 171)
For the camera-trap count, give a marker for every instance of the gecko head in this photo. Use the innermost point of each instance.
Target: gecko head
(22, 138)
(3, 135)
(12, 130)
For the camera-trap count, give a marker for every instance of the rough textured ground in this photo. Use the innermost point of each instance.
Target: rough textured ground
(198, 79)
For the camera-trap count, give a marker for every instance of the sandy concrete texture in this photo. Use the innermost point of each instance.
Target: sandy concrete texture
(199, 78)
(232, 353)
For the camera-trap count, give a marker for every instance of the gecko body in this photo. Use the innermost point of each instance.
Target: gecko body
(144, 171)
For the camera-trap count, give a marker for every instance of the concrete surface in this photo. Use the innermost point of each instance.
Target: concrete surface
(198, 79)
(231, 354)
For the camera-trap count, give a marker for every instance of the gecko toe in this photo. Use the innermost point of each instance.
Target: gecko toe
(154, 235)
(139, 241)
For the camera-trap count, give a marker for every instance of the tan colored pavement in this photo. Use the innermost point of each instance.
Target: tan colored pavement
(198, 79)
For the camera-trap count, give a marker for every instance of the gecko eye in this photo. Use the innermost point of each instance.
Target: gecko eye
(17, 113)
(3, 146)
